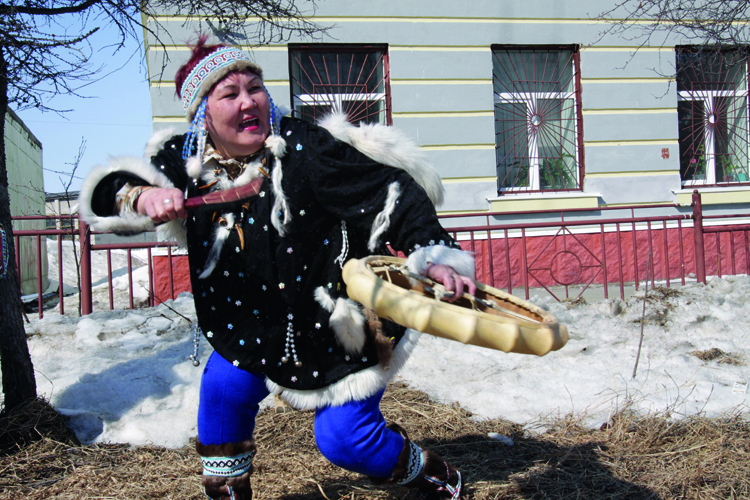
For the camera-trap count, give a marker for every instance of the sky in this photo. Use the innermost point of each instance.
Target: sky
(121, 375)
(114, 119)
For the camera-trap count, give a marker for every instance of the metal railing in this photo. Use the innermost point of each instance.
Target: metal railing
(571, 252)
(577, 251)
(82, 232)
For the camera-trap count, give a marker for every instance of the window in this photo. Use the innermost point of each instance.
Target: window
(538, 129)
(712, 109)
(350, 78)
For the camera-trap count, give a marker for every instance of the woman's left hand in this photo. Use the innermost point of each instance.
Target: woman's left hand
(451, 280)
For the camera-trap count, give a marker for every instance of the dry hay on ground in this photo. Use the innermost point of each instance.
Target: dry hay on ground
(714, 354)
(629, 458)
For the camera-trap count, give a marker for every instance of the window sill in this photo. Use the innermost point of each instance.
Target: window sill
(714, 195)
(522, 202)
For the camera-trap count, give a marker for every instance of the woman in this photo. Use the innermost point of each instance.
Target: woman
(266, 271)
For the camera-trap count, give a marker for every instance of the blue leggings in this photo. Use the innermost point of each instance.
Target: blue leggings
(352, 436)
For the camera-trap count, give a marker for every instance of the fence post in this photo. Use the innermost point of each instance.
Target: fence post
(86, 299)
(700, 253)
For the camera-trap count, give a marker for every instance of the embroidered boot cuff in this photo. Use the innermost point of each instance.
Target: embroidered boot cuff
(416, 464)
(228, 466)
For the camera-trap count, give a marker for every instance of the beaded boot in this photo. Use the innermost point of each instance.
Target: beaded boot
(433, 477)
(226, 470)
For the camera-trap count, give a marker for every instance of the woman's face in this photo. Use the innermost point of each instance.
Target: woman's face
(237, 115)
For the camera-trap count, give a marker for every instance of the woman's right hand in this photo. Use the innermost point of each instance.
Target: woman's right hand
(162, 204)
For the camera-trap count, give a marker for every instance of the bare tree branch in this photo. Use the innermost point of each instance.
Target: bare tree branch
(708, 26)
(702, 22)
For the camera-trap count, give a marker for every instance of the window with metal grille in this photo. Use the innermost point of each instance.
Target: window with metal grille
(538, 128)
(712, 109)
(349, 78)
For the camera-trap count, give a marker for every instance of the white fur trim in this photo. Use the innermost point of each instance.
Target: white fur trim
(222, 233)
(325, 300)
(276, 144)
(194, 167)
(348, 322)
(357, 386)
(209, 176)
(461, 262)
(157, 141)
(280, 204)
(383, 219)
(139, 167)
(251, 172)
(388, 146)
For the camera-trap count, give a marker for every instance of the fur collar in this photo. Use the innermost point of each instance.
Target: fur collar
(389, 146)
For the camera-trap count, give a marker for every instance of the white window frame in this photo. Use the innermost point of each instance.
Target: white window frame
(530, 99)
(334, 99)
(709, 142)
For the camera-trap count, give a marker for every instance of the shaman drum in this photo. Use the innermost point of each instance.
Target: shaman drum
(491, 318)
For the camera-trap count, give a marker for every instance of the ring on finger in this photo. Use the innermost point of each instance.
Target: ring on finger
(168, 201)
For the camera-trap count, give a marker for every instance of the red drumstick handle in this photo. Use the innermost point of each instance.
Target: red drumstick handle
(225, 196)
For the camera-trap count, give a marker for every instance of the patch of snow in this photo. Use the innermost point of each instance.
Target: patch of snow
(124, 376)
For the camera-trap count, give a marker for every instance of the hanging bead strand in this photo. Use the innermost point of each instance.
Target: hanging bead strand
(289, 348)
(196, 344)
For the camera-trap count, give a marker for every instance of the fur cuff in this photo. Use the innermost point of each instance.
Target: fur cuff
(125, 223)
(388, 146)
(357, 386)
(461, 262)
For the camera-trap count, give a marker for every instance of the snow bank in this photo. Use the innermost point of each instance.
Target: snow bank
(125, 377)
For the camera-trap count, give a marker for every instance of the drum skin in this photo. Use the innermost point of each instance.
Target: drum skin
(408, 304)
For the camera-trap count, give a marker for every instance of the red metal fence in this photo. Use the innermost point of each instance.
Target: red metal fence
(81, 233)
(569, 252)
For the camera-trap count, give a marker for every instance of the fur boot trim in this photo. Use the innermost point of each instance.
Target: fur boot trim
(222, 233)
(356, 386)
(157, 141)
(383, 219)
(128, 224)
(194, 167)
(227, 469)
(346, 320)
(388, 146)
(461, 262)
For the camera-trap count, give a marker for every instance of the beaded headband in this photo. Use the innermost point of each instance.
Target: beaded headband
(209, 71)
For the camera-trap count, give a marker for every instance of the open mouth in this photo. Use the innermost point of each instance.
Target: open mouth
(249, 123)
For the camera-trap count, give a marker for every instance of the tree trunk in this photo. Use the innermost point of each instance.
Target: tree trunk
(19, 384)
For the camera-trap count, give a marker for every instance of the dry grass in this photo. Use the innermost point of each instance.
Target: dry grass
(630, 458)
(715, 354)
